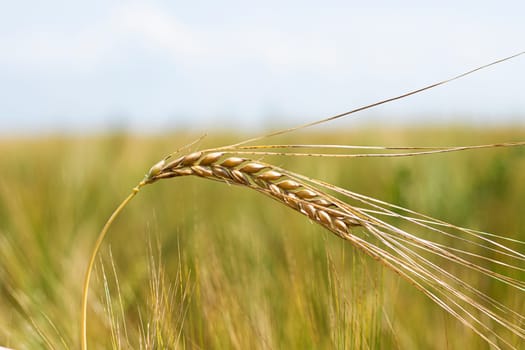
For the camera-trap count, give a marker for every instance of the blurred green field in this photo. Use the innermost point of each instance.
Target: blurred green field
(195, 264)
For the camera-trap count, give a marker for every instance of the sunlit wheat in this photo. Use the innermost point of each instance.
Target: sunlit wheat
(421, 250)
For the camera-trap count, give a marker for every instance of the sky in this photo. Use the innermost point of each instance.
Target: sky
(93, 66)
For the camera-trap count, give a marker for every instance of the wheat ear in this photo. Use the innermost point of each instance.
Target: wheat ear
(339, 217)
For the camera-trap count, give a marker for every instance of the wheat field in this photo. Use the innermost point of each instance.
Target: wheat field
(197, 264)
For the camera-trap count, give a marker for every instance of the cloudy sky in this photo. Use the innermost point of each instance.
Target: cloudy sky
(152, 65)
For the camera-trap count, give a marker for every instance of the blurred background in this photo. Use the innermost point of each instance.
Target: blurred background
(93, 93)
(157, 65)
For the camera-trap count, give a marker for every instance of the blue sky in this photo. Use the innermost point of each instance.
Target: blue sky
(154, 65)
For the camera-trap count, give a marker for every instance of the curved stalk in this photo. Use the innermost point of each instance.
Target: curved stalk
(96, 248)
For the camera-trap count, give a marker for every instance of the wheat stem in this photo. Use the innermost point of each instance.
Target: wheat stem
(96, 248)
